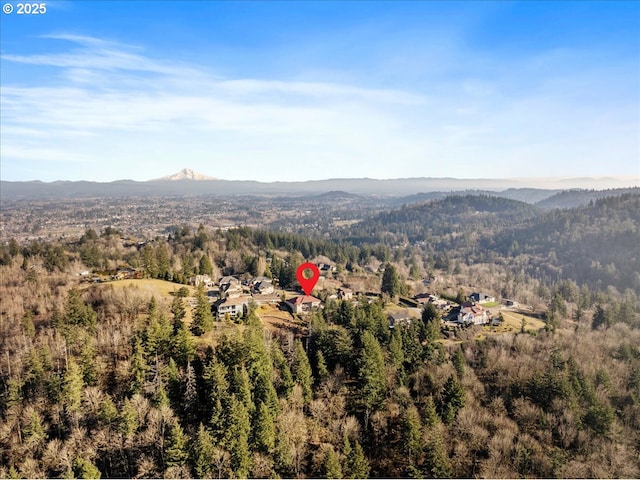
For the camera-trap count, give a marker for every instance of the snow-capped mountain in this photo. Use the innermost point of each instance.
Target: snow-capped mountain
(186, 174)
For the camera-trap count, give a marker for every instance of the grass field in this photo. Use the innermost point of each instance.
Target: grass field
(160, 289)
(512, 324)
(514, 320)
(157, 288)
(490, 304)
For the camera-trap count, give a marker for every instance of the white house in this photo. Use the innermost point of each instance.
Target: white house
(472, 313)
(302, 303)
(232, 306)
(205, 280)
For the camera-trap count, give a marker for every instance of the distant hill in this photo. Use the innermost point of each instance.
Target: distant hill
(184, 184)
(441, 217)
(337, 195)
(596, 244)
(577, 198)
(527, 195)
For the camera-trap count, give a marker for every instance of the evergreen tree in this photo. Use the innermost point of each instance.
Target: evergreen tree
(33, 431)
(390, 281)
(453, 399)
(437, 463)
(158, 334)
(128, 423)
(184, 348)
(358, 465)
(77, 312)
(190, 393)
(107, 412)
(430, 415)
(264, 431)
(301, 370)
(205, 267)
(28, 327)
(285, 381)
(139, 366)
(14, 247)
(149, 262)
(175, 446)
(216, 396)
(72, 388)
(162, 262)
(321, 366)
(600, 318)
(459, 362)
(347, 455)
(331, 467)
(431, 322)
(202, 316)
(265, 392)
(88, 361)
(412, 435)
(237, 437)
(371, 374)
(242, 388)
(178, 311)
(396, 354)
(203, 453)
(83, 468)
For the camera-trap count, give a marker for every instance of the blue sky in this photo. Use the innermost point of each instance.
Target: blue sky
(280, 90)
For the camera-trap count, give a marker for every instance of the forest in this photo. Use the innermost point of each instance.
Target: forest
(105, 380)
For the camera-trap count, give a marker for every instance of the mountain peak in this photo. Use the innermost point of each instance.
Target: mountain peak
(186, 174)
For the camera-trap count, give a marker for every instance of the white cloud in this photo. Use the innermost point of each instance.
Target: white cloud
(120, 109)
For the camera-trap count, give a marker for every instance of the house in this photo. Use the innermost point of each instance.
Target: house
(263, 287)
(198, 280)
(472, 313)
(326, 267)
(227, 281)
(302, 303)
(399, 319)
(256, 280)
(424, 298)
(345, 294)
(481, 298)
(230, 287)
(266, 298)
(232, 306)
(127, 273)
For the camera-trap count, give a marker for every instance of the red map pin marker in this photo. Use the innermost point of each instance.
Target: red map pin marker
(307, 284)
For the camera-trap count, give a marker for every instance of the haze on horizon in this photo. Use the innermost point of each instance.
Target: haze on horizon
(294, 91)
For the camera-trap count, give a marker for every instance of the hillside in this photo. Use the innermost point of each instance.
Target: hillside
(453, 214)
(578, 198)
(111, 379)
(597, 244)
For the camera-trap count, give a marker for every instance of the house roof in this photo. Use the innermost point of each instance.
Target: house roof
(229, 302)
(228, 279)
(473, 308)
(260, 279)
(300, 299)
(480, 296)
